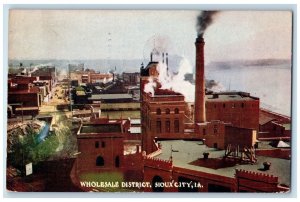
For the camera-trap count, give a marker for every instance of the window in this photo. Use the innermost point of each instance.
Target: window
(167, 111)
(158, 111)
(204, 131)
(176, 111)
(243, 105)
(224, 105)
(215, 129)
(168, 126)
(99, 161)
(176, 126)
(97, 144)
(215, 105)
(103, 144)
(158, 126)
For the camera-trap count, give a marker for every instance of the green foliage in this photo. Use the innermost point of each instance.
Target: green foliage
(44, 150)
(27, 149)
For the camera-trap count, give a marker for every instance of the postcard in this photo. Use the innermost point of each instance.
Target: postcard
(149, 101)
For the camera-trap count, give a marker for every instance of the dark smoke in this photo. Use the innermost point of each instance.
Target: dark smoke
(204, 20)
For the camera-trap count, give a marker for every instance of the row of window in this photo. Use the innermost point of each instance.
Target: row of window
(167, 111)
(167, 126)
(233, 105)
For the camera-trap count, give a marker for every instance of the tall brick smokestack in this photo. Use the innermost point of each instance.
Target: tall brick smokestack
(199, 113)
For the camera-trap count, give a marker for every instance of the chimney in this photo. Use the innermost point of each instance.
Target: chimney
(267, 165)
(200, 86)
(163, 57)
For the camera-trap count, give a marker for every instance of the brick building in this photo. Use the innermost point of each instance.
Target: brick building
(180, 166)
(131, 78)
(23, 97)
(91, 76)
(47, 73)
(214, 143)
(238, 108)
(100, 144)
(165, 114)
(273, 125)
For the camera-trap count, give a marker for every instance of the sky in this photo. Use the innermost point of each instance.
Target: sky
(107, 34)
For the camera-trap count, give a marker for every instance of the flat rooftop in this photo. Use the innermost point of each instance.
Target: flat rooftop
(186, 154)
(101, 128)
(229, 96)
(110, 96)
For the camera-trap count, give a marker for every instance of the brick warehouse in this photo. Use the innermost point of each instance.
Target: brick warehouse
(214, 148)
(101, 144)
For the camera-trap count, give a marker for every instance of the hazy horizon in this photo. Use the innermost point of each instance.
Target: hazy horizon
(132, 34)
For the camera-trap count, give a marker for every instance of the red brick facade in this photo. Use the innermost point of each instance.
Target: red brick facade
(101, 150)
(240, 113)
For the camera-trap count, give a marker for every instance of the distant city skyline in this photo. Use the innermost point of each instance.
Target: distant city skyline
(108, 34)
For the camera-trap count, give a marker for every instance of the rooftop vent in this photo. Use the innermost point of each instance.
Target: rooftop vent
(267, 165)
(205, 155)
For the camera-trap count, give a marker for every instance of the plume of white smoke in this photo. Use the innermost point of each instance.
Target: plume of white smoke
(150, 86)
(61, 74)
(36, 67)
(176, 82)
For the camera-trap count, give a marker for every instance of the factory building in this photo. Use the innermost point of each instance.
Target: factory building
(165, 114)
(212, 144)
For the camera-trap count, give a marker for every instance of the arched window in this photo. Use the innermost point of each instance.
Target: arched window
(158, 111)
(167, 111)
(117, 161)
(99, 161)
(155, 184)
(176, 111)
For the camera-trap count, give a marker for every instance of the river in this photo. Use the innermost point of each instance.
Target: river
(272, 84)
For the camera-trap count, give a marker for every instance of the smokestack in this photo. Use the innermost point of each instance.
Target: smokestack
(151, 55)
(163, 57)
(199, 114)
